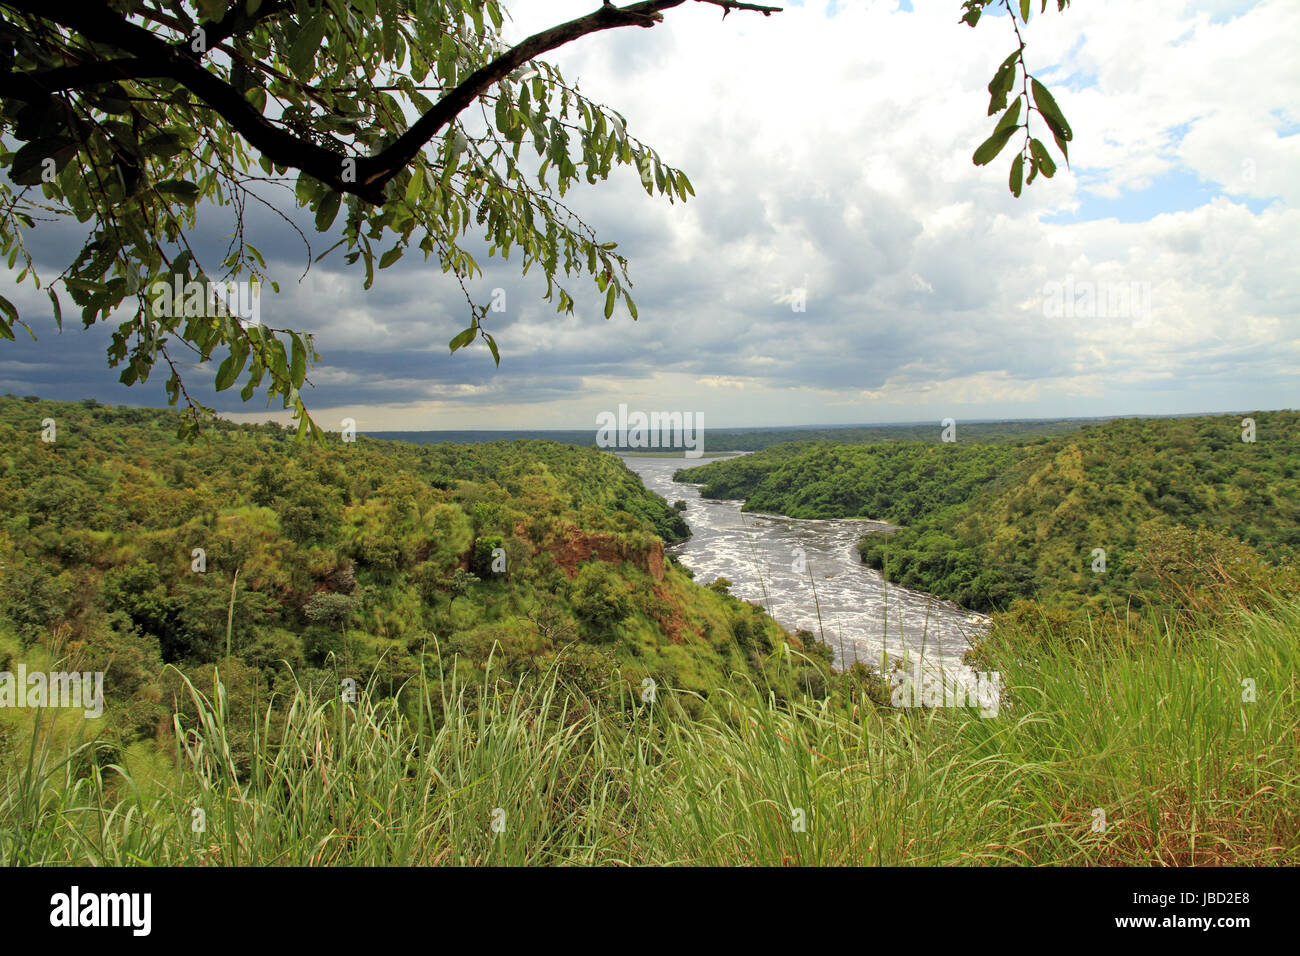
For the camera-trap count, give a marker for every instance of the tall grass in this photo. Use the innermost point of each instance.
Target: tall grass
(1155, 733)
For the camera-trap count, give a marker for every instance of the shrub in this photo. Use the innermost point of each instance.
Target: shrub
(600, 599)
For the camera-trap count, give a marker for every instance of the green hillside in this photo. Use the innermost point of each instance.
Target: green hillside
(896, 482)
(120, 544)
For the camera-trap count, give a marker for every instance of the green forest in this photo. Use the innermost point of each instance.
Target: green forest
(126, 549)
(987, 524)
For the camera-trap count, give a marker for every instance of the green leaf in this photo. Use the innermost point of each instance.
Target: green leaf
(463, 339)
(179, 189)
(388, 31)
(298, 362)
(389, 257)
(1051, 112)
(1004, 78)
(1010, 118)
(610, 296)
(1042, 158)
(990, 148)
(492, 347)
(279, 365)
(29, 161)
(502, 113)
(10, 317)
(327, 210)
(111, 98)
(1024, 10)
(302, 55)
(306, 188)
(1062, 146)
(212, 9)
(458, 146)
(1000, 87)
(1017, 174)
(230, 369)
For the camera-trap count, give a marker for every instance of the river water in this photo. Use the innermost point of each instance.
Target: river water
(796, 568)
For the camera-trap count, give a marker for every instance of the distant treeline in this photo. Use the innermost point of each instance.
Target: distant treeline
(755, 439)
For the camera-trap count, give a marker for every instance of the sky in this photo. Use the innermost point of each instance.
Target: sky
(830, 150)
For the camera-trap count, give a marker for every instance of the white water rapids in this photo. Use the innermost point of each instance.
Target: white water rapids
(793, 567)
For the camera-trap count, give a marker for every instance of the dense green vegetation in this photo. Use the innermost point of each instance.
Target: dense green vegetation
(985, 525)
(121, 548)
(896, 482)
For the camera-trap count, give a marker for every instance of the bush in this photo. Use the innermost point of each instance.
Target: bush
(584, 668)
(600, 599)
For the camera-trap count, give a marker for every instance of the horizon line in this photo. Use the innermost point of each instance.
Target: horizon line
(895, 424)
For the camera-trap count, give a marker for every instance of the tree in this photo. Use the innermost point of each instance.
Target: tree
(131, 115)
(329, 609)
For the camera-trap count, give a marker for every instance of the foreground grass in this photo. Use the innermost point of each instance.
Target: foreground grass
(1154, 733)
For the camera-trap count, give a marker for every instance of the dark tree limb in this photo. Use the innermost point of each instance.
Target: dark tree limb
(236, 22)
(152, 57)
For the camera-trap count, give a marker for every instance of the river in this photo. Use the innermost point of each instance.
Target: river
(795, 567)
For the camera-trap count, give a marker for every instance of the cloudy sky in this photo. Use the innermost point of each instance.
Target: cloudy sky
(830, 150)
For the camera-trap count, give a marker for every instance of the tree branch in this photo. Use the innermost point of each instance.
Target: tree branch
(236, 22)
(155, 57)
(385, 165)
